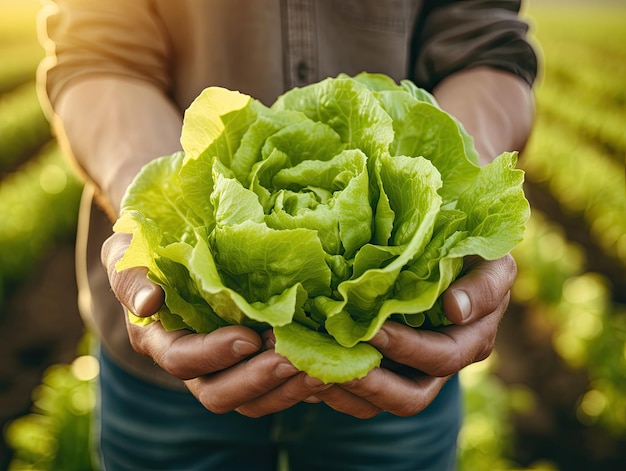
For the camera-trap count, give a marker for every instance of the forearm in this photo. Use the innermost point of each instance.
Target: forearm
(495, 107)
(113, 127)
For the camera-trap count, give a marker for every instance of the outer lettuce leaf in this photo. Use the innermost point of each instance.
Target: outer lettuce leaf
(321, 357)
(374, 82)
(184, 300)
(184, 307)
(421, 129)
(206, 122)
(496, 210)
(345, 203)
(157, 192)
(231, 306)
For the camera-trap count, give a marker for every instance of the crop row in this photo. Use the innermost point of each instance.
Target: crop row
(582, 179)
(575, 159)
(587, 64)
(601, 126)
(23, 126)
(38, 207)
(587, 96)
(588, 331)
(584, 74)
(18, 20)
(19, 62)
(583, 25)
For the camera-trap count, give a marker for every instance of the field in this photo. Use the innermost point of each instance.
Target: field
(553, 394)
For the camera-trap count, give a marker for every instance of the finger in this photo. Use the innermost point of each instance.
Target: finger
(397, 394)
(245, 382)
(187, 355)
(312, 400)
(480, 290)
(131, 287)
(440, 352)
(346, 402)
(269, 339)
(296, 389)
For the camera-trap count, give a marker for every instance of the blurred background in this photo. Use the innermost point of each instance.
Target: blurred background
(553, 394)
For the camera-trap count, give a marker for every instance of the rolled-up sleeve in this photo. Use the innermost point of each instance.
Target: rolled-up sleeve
(95, 38)
(456, 35)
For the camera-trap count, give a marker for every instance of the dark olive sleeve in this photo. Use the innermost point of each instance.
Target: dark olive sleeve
(454, 35)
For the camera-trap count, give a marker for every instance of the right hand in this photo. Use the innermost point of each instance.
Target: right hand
(231, 368)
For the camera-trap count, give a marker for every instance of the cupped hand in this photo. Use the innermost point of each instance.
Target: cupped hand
(418, 362)
(229, 369)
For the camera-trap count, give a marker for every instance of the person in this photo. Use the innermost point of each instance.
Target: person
(116, 80)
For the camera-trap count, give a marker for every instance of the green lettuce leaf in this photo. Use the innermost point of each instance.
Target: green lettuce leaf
(344, 204)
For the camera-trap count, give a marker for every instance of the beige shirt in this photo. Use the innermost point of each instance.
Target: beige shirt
(261, 48)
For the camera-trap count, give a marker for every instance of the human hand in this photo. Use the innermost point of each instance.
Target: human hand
(229, 369)
(418, 362)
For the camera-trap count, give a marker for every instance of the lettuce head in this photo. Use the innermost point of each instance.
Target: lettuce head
(346, 203)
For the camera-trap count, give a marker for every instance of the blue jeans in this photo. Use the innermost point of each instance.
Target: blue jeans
(145, 427)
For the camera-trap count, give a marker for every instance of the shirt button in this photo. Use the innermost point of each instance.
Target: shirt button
(302, 71)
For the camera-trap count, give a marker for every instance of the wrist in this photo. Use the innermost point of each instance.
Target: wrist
(495, 107)
(114, 127)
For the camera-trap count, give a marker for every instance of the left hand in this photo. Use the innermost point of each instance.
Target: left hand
(228, 369)
(418, 362)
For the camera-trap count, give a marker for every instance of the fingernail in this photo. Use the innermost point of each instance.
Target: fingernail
(244, 348)
(140, 299)
(312, 400)
(285, 370)
(463, 302)
(269, 343)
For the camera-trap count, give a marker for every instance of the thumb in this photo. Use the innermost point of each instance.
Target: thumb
(131, 287)
(481, 290)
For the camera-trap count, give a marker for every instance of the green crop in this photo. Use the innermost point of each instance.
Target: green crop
(346, 203)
